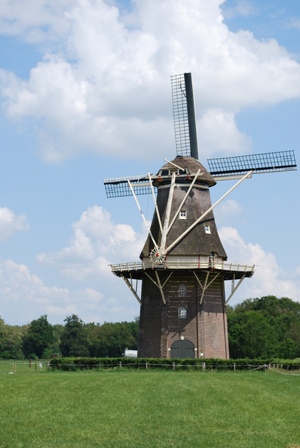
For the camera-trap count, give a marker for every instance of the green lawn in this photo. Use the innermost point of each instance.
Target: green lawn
(149, 409)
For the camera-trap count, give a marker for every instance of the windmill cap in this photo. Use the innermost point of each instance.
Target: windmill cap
(191, 166)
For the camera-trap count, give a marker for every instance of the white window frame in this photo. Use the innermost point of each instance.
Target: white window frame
(182, 214)
(207, 229)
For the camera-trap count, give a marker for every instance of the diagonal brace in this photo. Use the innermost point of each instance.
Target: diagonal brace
(234, 287)
(159, 285)
(206, 284)
(131, 288)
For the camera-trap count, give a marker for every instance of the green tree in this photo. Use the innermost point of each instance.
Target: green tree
(111, 339)
(55, 346)
(74, 338)
(37, 338)
(264, 327)
(251, 335)
(11, 340)
(293, 333)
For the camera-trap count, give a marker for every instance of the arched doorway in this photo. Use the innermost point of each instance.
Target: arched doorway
(182, 349)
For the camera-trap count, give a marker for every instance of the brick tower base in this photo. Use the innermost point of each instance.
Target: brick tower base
(200, 326)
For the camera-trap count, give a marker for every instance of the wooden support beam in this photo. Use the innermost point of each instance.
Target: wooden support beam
(234, 287)
(160, 287)
(206, 284)
(129, 284)
(158, 284)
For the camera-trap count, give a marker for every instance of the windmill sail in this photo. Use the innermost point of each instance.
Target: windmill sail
(258, 163)
(119, 187)
(184, 115)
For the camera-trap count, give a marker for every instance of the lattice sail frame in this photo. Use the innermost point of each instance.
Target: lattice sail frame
(180, 115)
(184, 115)
(257, 163)
(118, 187)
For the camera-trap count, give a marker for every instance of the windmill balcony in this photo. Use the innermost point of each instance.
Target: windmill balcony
(135, 269)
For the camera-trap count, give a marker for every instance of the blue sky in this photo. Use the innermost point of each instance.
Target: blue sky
(85, 95)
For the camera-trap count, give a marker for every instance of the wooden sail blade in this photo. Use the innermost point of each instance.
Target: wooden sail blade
(257, 163)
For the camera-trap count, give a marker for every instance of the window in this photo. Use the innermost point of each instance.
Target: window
(182, 312)
(182, 291)
(182, 214)
(206, 228)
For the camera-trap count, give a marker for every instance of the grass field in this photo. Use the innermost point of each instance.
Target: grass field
(148, 409)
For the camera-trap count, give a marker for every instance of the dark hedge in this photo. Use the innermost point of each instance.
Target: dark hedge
(74, 363)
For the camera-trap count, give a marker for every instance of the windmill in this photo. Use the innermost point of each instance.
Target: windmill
(183, 266)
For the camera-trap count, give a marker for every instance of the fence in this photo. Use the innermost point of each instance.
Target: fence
(11, 367)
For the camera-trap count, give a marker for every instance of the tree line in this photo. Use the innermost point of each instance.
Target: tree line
(257, 328)
(40, 339)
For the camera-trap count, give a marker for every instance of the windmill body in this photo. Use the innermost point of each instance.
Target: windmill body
(183, 266)
(182, 324)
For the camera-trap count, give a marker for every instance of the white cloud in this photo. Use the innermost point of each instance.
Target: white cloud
(34, 20)
(24, 293)
(103, 83)
(227, 210)
(24, 297)
(268, 278)
(10, 223)
(218, 132)
(97, 242)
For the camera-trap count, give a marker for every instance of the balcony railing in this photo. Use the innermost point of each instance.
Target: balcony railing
(182, 263)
